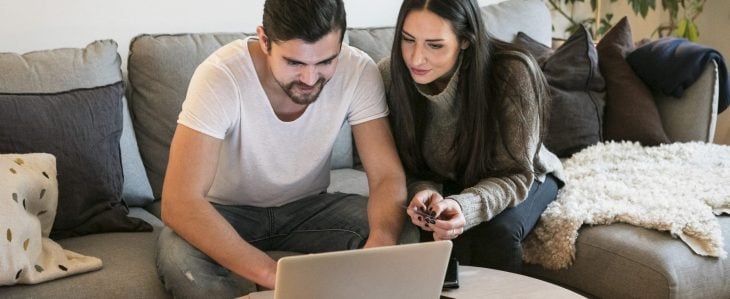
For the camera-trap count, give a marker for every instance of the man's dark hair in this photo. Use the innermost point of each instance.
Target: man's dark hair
(308, 20)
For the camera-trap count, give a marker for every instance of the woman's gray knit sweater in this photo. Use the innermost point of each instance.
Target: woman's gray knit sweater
(491, 195)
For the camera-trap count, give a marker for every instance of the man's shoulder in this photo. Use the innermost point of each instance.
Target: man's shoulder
(354, 57)
(355, 67)
(233, 53)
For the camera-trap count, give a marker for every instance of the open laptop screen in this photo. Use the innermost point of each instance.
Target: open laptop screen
(401, 271)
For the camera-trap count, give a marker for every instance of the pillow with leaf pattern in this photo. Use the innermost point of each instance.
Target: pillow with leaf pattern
(28, 201)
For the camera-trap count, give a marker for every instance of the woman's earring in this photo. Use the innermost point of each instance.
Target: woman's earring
(464, 45)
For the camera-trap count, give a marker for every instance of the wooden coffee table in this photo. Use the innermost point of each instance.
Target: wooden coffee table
(476, 282)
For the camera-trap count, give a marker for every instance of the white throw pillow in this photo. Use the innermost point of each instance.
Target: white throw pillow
(28, 201)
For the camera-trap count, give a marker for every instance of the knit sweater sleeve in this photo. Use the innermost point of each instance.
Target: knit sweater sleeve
(416, 185)
(492, 195)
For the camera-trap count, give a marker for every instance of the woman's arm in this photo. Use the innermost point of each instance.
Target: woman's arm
(516, 148)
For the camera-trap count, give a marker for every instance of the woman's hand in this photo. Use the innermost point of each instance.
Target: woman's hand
(450, 220)
(431, 212)
(418, 208)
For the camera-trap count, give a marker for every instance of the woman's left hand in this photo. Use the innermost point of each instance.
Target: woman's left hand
(450, 220)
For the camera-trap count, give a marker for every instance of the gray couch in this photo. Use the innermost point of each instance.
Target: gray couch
(616, 261)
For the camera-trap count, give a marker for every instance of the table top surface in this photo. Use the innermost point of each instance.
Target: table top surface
(477, 282)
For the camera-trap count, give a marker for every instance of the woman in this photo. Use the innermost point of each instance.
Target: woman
(469, 116)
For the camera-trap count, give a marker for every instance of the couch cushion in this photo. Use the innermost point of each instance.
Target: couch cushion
(621, 261)
(631, 113)
(160, 68)
(86, 145)
(505, 19)
(376, 41)
(577, 91)
(96, 65)
(348, 181)
(129, 269)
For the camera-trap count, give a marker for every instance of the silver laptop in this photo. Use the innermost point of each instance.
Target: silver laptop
(403, 271)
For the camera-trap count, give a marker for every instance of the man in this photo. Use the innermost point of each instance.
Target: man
(249, 161)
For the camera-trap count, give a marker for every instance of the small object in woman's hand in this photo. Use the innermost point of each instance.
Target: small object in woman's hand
(428, 218)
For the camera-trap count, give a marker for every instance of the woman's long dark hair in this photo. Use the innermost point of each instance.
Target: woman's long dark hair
(480, 114)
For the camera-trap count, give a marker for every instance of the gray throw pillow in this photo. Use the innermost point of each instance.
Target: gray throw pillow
(577, 91)
(59, 70)
(63, 70)
(82, 129)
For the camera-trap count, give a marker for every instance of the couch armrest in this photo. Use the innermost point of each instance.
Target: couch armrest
(692, 117)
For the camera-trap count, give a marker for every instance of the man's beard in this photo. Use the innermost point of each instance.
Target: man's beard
(303, 99)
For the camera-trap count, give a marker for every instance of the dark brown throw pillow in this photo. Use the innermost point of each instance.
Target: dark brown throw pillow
(81, 128)
(631, 113)
(576, 89)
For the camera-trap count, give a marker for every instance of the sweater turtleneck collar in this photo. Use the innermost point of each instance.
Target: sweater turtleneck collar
(448, 94)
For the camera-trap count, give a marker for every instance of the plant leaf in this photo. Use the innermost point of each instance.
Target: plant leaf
(672, 6)
(681, 28)
(642, 6)
(692, 33)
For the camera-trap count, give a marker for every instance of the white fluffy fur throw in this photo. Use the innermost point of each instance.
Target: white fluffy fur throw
(677, 187)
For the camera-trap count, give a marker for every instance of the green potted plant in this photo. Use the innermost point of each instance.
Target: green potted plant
(682, 16)
(681, 25)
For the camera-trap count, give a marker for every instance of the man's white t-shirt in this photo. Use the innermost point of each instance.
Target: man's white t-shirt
(266, 162)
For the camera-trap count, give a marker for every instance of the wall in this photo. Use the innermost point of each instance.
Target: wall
(713, 24)
(27, 25)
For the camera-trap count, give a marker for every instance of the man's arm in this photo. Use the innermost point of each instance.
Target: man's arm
(386, 181)
(185, 208)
